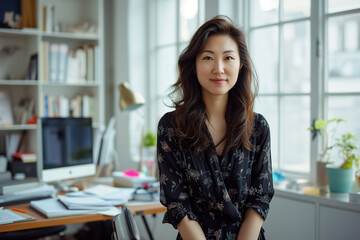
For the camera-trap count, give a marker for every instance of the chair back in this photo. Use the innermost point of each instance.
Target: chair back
(124, 226)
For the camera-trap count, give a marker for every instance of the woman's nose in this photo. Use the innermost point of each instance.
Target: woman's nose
(218, 67)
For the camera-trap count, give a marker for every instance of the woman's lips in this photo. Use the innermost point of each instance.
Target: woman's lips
(218, 80)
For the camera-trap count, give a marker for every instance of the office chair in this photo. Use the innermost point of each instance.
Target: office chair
(34, 233)
(124, 226)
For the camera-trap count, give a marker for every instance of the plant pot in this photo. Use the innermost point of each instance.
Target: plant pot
(340, 179)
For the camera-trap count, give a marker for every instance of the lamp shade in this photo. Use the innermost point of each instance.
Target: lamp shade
(129, 100)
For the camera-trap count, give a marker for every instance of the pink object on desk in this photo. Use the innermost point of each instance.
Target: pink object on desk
(131, 173)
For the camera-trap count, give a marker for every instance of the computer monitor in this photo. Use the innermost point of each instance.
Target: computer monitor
(66, 149)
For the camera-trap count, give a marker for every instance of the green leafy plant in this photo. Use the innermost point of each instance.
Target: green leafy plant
(321, 127)
(348, 149)
(149, 139)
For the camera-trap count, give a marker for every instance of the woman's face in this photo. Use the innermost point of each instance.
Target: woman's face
(218, 65)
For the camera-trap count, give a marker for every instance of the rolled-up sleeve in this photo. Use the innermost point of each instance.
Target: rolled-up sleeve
(174, 191)
(261, 188)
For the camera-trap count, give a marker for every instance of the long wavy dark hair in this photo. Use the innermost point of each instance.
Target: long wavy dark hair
(189, 115)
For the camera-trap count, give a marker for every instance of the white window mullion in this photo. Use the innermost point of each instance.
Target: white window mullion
(316, 86)
(279, 86)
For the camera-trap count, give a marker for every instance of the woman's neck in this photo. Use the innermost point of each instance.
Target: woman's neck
(215, 106)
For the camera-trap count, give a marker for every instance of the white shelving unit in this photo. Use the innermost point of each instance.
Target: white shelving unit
(25, 42)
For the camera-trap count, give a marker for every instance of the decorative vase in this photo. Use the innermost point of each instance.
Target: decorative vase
(148, 160)
(340, 179)
(321, 174)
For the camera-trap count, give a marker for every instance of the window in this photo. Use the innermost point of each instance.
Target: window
(306, 55)
(175, 23)
(342, 64)
(279, 44)
(304, 74)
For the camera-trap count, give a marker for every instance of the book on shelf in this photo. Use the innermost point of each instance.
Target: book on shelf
(64, 65)
(63, 106)
(32, 71)
(60, 106)
(25, 157)
(80, 54)
(48, 20)
(53, 61)
(28, 13)
(12, 143)
(96, 63)
(15, 186)
(90, 64)
(44, 61)
(63, 57)
(6, 116)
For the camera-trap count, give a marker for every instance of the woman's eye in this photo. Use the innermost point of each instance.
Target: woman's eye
(207, 58)
(229, 58)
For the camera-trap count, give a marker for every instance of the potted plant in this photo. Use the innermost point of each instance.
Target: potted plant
(148, 152)
(341, 177)
(321, 127)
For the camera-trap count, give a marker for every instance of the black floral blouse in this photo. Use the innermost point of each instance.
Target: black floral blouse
(212, 190)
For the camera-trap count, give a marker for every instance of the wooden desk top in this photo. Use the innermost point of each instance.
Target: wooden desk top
(42, 221)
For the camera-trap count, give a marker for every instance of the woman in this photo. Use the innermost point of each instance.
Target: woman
(213, 150)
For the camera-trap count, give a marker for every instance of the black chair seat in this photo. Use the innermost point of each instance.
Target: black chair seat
(32, 233)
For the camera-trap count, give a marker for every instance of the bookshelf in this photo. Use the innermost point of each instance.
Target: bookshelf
(75, 26)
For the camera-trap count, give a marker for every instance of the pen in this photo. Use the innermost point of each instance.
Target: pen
(20, 210)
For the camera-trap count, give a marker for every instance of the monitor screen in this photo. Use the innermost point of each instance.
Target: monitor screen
(67, 148)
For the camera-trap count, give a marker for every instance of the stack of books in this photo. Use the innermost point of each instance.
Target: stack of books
(15, 192)
(122, 179)
(15, 186)
(52, 207)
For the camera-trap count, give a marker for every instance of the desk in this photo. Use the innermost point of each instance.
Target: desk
(42, 221)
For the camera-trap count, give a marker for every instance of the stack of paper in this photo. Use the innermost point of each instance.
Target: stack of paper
(14, 186)
(51, 207)
(145, 195)
(112, 195)
(80, 203)
(39, 192)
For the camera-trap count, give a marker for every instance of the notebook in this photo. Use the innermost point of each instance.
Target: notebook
(52, 207)
(8, 216)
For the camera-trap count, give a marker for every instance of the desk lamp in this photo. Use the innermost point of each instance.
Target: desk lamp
(129, 100)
